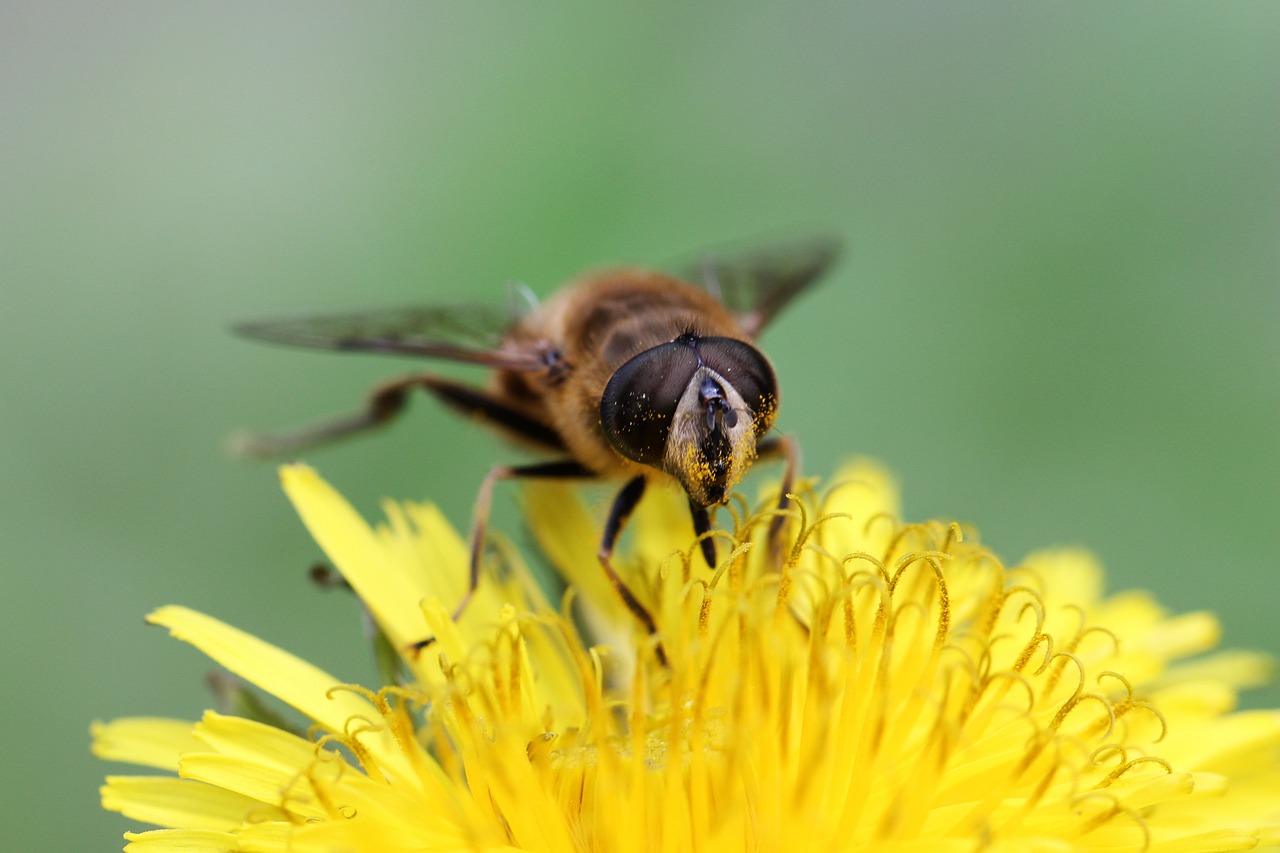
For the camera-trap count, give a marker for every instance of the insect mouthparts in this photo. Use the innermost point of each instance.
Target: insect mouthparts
(720, 415)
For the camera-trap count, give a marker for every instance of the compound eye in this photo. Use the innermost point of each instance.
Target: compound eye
(749, 372)
(640, 400)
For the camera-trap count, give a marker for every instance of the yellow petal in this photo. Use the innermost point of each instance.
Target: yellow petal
(662, 525)
(1235, 667)
(179, 803)
(240, 738)
(291, 679)
(273, 837)
(570, 538)
(149, 741)
(181, 841)
(384, 818)
(879, 488)
(1233, 744)
(390, 583)
(285, 790)
(1066, 574)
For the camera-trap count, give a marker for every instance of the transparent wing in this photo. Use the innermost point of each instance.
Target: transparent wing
(757, 283)
(468, 333)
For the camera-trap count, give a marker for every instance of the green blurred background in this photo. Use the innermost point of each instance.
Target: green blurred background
(1057, 317)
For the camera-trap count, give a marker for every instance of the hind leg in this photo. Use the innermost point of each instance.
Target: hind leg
(386, 402)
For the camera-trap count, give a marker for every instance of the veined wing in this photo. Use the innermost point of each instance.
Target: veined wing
(467, 333)
(757, 283)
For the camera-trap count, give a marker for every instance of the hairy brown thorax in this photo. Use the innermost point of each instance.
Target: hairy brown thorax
(590, 329)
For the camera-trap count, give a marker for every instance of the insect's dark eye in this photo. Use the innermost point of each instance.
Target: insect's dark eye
(748, 371)
(641, 398)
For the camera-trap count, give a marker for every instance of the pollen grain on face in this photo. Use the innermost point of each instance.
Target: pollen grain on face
(874, 685)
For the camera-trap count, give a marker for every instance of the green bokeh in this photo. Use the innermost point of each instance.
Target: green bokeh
(1057, 319)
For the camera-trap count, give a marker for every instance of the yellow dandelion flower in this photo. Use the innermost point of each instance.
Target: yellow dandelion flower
(880, 686)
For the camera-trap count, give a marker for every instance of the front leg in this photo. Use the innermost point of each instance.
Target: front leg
(786, 447)
(623, 505)
(701, 526)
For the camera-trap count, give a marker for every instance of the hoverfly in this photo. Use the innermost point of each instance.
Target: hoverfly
(626, 373)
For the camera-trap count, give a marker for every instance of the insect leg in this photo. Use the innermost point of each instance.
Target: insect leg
(384, 403)
(387, 401)
(563, 469)
(487, 406)
(623, 505)
(702, 524)
(786, 447)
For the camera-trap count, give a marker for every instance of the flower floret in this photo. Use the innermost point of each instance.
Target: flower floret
(870, 684)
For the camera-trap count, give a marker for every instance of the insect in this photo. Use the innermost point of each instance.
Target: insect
(625, 374)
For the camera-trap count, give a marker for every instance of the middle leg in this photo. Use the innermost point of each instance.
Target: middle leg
(623, 505)
(562, 469)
